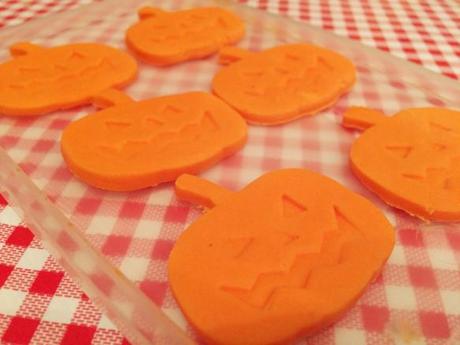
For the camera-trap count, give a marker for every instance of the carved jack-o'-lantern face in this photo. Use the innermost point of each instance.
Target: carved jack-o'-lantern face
(165, 38)
(135, 145)
(282, 258)
(283, 83)
(40, 80)
(412, 161)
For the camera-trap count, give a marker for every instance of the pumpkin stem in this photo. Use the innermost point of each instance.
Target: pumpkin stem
(230, 54)
(24, 48)
(362, 118)
(109, 98)
(149, 12)
(199, 191)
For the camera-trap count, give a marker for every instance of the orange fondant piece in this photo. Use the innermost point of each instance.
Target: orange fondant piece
(134, 145)
(361, 117)
(39, 80)
(412, 161)
(282, 83)
(165, 38)
(279, 260)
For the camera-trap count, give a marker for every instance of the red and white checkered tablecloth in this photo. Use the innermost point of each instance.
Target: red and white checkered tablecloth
(424, 32)
(39, 304)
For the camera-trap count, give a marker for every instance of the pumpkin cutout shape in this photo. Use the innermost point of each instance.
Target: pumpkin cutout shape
(39, 80)
(281, 259)
(134, 145)
(283, 83)
(165, 38)
(410, 160)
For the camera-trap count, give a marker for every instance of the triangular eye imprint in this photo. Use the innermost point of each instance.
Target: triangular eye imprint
(114, 124)
(282, 70)
(292, 57)
(197, 17)
(402, 151)
(61, 67)
(326, 64)
(451, 184)
(252, 92)
(439, 147)
(28, 69)
(412, 176)
(291, 207)
(223, 23)
(168, 109)
(440, 127)
(241, 246)
(209, 121)
(76, 55)
(153, 121)
(252, 73)
(342, 219)
(16, 86)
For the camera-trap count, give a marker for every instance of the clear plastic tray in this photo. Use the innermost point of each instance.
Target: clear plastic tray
(116, 244)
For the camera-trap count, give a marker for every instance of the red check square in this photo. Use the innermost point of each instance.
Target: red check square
(43, 145)
(20, 330)
(88, 205)
(374, 318)
(176, 214)
(410, 237)
(46, 282)
(78, 335)
(434, 325)
(21, 236)
(454, 239)
(155, 290)
(5, 271)
(422, 277)
(132, 209)
(116, 245)
(3, 201)
(162, 249)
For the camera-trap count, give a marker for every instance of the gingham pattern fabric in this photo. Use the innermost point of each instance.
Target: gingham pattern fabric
(417, 295)
(13, 12)
(424, 32)
(39, 304)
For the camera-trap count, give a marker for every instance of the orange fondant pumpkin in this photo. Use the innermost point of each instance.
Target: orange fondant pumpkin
(39, 80)
(411, 160)
(283, 83)
(134, 145)
(166, 38)
(281, 259)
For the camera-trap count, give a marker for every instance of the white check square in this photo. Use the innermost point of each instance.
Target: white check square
(401, 297)
(344, 336)
(11, 301)
(134, 268)
(33, 259)
(9, 217)
(61, 309)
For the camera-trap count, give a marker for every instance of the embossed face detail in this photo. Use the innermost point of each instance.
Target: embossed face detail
(283, 83)
(165, 38)
(412, 161)
(140, 144)
(282, 258)
(43, 80)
